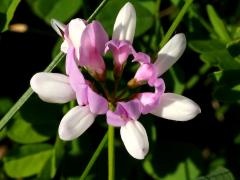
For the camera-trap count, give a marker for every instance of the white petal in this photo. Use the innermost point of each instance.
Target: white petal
(170, 53)
(64, 46)
(176, 107)
(75, 29)
(125, 24)
(75, 122)
(135, 139)
(58, 27)
(52, 87)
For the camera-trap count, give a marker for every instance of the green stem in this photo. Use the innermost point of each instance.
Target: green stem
(195, 78)
(103, 3)
(94, 157)
(176, 22)
(49, 68)
(158, 28)
(27, 94)
(111, 159)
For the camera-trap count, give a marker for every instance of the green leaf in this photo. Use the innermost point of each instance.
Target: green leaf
(227, 77)
(7, 9)
(50, 169)
(221, 59)
(228, 93)
(219, 174)
(37, 122)
(228, 85)
(214, 53)
(5, 105)
(109, 13)
(61, 10)
(27, 160)
(175, 79)
(203, 46)
(22, 131)
(218, 24)
(185, 162)
(234, 48)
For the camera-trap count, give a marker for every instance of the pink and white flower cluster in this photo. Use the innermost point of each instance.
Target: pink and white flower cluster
(85, 46)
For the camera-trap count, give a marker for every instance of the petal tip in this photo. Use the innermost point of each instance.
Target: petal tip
(58, 27)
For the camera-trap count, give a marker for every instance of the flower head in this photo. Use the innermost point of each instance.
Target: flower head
(123, 101)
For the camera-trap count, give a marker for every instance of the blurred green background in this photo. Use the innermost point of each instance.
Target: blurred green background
(207, 147)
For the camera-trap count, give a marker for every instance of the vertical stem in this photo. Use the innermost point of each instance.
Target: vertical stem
(94, 157)
(111, 158)
(158, 28)
(176, 22)
(103, 3)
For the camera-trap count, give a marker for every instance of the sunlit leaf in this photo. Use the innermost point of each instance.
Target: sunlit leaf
(7, 10)
(27, 160)
(37, 122)
(203, 46)
(61, 10)
(221, 59)
(218, 24)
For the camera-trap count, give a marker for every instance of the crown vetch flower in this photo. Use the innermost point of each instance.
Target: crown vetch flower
(85, 46)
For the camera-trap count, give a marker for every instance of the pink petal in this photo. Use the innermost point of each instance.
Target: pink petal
(132, 108)
(125, 111)
(141, 57)
(92, 47)
(97, 103)
(149, 100)
(115, 119)
(72, 69)
(82, 94)
(121, 50)
(146, 72)
(73, 33)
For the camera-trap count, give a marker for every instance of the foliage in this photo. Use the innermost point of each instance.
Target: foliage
(209, 72)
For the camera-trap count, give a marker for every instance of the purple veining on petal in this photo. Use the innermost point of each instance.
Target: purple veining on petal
(125, 111)
(133, 108)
